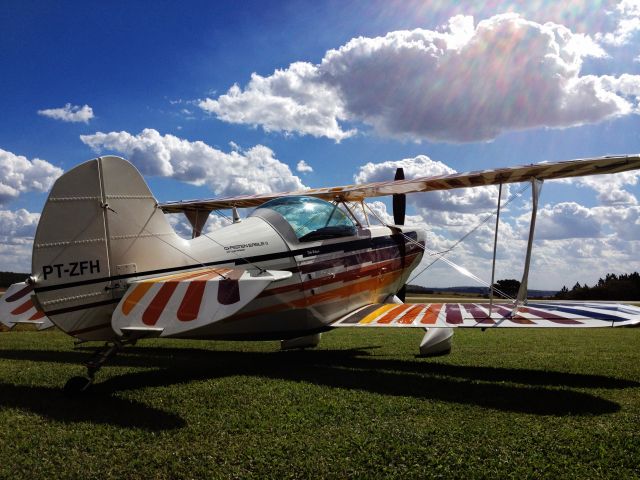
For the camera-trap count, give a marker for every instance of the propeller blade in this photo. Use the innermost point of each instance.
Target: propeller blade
(399, 201)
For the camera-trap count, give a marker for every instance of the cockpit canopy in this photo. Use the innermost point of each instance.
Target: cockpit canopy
(312, 218)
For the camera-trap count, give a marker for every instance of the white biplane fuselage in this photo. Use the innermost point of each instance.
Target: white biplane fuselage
(107, 264)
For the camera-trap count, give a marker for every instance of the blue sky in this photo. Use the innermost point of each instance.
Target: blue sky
(475, 87)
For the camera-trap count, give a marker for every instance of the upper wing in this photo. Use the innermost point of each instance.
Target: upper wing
(541, 171)
(16, 307)
(547, 314)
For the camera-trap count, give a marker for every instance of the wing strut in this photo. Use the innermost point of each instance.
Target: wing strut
(536, 187)
(495, 248)
(197, 218)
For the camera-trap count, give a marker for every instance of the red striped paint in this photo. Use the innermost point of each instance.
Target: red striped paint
(478, 314)
(393, 313)
(37, 316)
(26, 306)
(190, 305)
(453, 314)
(552, 317)
(229, 288)
(158, 304)
(506, 313)
(411, 315)
(431, 315)
(19, 294)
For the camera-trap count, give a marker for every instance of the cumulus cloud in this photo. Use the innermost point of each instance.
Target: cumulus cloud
(627, 15)
(291, 100)
(464, 82)
(19, 174)
(17, 226)
(238, 172)
(69, 113)
(563, 220)
(17, 229)
(304, 167)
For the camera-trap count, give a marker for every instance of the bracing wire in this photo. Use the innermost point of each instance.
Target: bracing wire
(441, 255)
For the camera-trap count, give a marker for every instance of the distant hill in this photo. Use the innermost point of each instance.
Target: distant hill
(480, 291)
(8, 278)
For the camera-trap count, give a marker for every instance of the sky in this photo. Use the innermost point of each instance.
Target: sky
(238, 97)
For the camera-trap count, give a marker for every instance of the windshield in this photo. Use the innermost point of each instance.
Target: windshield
(312, 218)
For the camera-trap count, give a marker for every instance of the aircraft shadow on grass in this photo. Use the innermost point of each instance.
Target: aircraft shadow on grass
(506, 389)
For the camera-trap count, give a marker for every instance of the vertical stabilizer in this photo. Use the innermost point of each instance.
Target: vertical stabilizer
(99, 228)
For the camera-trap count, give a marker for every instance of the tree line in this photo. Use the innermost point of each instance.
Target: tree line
(8, 278)
(611, 287)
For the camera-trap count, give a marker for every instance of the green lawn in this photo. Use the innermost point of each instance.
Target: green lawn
(520, 403)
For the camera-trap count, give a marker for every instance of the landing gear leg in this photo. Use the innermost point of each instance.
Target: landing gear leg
(77, 385)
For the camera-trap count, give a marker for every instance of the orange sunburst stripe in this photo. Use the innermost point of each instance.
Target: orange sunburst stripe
(431, 315)
(392, 314)
(376, 313)
(143, 286)
(411, 315)
(135, 296)
(186, 275)
(158, 304)
(23, 308)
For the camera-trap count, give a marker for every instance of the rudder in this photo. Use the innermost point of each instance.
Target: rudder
(99, 227)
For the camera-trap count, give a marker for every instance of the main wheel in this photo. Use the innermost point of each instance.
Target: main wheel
(77, 385)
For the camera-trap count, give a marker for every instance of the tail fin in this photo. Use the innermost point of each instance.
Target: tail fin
(100, 226)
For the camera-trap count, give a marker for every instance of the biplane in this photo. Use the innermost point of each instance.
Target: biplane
(108, 266)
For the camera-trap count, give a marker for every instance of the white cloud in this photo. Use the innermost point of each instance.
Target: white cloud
(69, 113)
(611, 188)
(627, 14)
(251, 171)
(183, 228)
(291, 100)
(17, 229)
(562, 221)
(462, 83)
(18, 175)
(304, 167)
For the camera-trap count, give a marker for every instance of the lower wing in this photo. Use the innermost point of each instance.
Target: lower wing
(440, 315)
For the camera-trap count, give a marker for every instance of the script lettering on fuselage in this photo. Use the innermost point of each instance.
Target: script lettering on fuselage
(71, 269)
(241, 247)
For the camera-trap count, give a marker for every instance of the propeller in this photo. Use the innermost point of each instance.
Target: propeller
(399, 211)
(399, 201)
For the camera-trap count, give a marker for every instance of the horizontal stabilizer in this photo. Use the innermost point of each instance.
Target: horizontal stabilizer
(16, 307)
(176, 304)
(441, 315)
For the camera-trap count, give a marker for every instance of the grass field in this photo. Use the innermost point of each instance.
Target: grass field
(547, 403)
